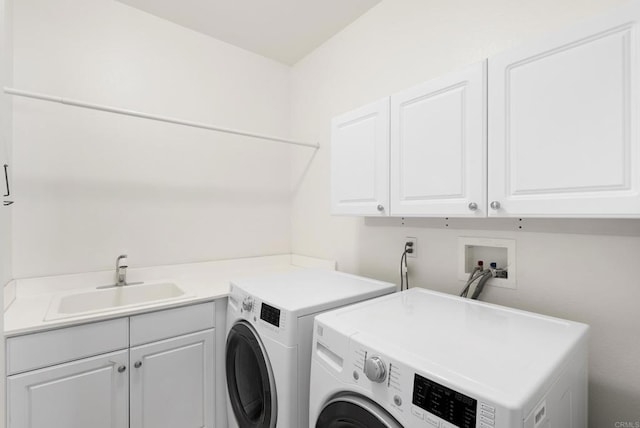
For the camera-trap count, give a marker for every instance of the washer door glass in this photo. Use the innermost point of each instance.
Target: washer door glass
(351, 411)
(252, 393)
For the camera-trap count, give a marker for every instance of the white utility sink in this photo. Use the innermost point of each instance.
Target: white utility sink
(111, 299)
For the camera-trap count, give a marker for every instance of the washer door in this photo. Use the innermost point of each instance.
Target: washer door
(353, 411)
(252, 392)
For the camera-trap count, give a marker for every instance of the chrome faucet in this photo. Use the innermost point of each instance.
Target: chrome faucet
(121, 271)
(121, 274)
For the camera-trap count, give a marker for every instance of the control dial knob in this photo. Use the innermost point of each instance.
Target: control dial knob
(247, 304)
(375, 369)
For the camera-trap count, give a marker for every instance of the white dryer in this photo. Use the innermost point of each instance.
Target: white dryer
(269, 336)
(431, 360)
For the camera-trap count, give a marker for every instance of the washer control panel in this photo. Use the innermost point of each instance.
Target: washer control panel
(375, 369)
(453, 407)
(413, 397)
(381, 375)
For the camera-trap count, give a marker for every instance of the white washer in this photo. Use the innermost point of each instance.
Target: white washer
(432, 360)
(269, 336)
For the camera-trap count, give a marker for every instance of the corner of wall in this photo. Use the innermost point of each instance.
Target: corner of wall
(6, 77)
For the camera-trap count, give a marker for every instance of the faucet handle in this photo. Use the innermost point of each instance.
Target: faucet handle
(120, 257)
(121, 271)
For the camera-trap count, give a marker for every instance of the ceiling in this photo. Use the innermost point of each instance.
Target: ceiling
(284, 30)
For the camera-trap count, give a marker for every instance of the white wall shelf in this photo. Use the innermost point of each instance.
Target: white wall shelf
(133, 113)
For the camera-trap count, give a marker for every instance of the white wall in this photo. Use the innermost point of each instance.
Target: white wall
(5, 141)
(399, 43)
(5, 157)
(91, 185)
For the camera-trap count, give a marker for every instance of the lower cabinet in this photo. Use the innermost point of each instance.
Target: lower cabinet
(170, 384)
(164, 383)
(93, 392)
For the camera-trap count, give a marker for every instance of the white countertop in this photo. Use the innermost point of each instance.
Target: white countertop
(29, 299)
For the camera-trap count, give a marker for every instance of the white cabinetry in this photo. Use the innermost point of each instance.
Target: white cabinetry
(170, 384)
(438, 146)
(93, 392)
(424, 156)
(86, 375)
(360, 161)
(563, 122)
(563, 117)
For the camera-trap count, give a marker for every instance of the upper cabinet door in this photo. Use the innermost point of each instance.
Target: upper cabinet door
(563, 123)
(360, 161)
(438, 147)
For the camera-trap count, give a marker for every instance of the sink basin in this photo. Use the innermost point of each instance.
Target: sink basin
(104, 300)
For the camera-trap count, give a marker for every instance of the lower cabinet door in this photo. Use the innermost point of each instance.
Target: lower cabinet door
(93, 392)
(172, 382)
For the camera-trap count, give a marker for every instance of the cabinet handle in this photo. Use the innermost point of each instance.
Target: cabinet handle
(473, 206)
(121, 369)
(380, 207)
(6, 179)
(138, 364)
(495, 205)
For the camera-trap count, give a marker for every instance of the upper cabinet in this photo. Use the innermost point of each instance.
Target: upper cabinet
(563, 139)
(563, 123)
(438, 147)
(360, 161)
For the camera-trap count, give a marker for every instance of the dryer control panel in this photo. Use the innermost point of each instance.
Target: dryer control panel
(270, 314)
(269, 320)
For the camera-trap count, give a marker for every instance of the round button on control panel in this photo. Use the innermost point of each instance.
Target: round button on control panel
(247, 304)
(375, 369)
